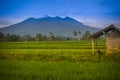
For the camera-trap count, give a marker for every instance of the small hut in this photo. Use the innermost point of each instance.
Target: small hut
(112, 35)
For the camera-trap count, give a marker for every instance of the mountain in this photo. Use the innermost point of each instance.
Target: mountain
(57, 25)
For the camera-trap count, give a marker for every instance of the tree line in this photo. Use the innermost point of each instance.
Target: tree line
(40, 37)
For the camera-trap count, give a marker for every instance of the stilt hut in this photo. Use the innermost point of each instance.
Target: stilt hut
(112, 36)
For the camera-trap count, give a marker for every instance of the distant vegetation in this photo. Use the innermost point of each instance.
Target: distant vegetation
(39, 37)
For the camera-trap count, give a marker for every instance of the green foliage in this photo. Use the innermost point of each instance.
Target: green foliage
(27, 38)
(86, 35)
(38, 37)
(115, 56)
(76, 33)
(1, 36)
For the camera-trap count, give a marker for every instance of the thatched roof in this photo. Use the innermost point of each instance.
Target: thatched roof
(104, 31)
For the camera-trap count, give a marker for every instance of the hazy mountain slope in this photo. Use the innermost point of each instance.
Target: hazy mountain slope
(57, 25)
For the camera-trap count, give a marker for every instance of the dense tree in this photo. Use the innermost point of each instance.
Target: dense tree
(86, 35)
(14, 37)
(28, 38)
(1, 36)
(11, 37)
(52, 37)
(39, 37)
(77, 34)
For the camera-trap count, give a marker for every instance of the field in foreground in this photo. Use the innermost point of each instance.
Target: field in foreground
(55, 61)
(63, 70)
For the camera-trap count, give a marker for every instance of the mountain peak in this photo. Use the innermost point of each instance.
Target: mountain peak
(57, 17)
(47, 16)
(70, 19)
(67, 17)
(30, 19)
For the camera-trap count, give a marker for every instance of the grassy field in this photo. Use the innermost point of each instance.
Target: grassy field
(63, 60)
(52, 51)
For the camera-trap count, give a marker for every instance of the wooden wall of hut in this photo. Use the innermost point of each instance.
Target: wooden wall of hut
(112, 42)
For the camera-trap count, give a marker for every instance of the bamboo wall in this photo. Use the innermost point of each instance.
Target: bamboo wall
(112, 44)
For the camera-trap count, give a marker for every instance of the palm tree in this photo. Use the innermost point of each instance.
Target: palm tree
(52, 36)
(79, 34)
(75, 33)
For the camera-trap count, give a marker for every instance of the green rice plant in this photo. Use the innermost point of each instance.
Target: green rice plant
(57, 60)
(64, 70)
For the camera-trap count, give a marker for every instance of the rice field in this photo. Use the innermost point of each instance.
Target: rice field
(52, 51)
(56, 60)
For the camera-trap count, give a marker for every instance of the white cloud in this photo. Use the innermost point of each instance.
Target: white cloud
(97, 22)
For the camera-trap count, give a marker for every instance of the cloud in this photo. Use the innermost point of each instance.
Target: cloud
(5, 22)
(117, 24)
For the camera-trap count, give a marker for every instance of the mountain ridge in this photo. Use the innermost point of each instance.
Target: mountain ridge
(60, 26)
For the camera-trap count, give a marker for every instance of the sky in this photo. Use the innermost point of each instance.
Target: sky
(95, 13)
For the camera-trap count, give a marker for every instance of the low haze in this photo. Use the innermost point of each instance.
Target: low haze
(95, 13)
